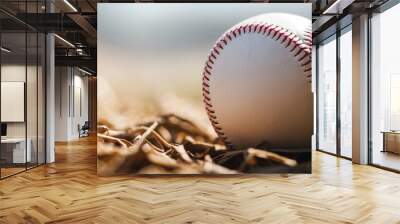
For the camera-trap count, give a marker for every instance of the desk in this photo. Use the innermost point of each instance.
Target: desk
(15, 148)
(391, 141)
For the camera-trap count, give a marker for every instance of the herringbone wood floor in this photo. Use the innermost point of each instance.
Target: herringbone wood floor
(69, 191)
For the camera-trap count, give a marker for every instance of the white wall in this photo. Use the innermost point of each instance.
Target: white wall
(70, 83)
(61, 103)
(12, 73)
(33, 127)
(80, 103)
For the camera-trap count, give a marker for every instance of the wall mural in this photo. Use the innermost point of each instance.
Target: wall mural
(204, 88)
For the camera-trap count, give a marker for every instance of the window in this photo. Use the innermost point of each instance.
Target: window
(385, 89)
(327, 95)
(346, 92)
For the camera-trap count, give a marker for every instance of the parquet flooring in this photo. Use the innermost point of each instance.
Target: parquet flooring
(11, 170)
(70, 191)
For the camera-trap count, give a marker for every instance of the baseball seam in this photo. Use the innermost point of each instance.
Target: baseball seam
(301, 50)
(308, 40)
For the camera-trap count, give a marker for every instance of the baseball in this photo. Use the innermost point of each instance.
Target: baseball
(256, 83)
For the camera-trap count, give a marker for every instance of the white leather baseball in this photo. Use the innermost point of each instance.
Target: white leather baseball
(256, 83)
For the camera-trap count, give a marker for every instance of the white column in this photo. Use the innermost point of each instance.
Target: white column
(50, 99)
(360, 90)
(50, 92)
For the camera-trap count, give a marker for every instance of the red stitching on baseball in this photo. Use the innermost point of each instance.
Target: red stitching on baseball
(212, 116)
(210, 110)
(259, 26)
(297, 54)
(306, 63)
(304, 56)
(302, 46)
(220, 45)
(276, 32)
(285, 36)
(206, 98)
(308, 37)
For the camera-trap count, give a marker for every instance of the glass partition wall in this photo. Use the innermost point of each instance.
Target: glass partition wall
(22, 98)
(385, 89)
(334, 90)
(13, 89)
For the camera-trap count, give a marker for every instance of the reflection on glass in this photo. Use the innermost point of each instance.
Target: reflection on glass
(327, 95)
(386, 89)
(41, 99)
(395, 102)
(346, 93)
(14, 153)
(31, 100)
(22, 91)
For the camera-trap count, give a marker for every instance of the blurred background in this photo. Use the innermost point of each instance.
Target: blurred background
(154, 65)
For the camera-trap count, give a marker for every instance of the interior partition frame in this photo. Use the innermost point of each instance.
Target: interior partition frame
(44, 76)
(338, 34)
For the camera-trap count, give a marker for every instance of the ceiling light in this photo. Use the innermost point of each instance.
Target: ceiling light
(84, 71)
(338, 6)
(5, 50)
(65, 41)
(79, 51)
(70, 5)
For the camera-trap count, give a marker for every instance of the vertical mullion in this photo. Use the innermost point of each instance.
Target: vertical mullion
(60, 88)
(26, 85)
(317, 96)
(338, 94)
(69, 91)
(45, 88)
(73, 92)
(37, 89)
(369, 91)
(44, 80)
(0, 95)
